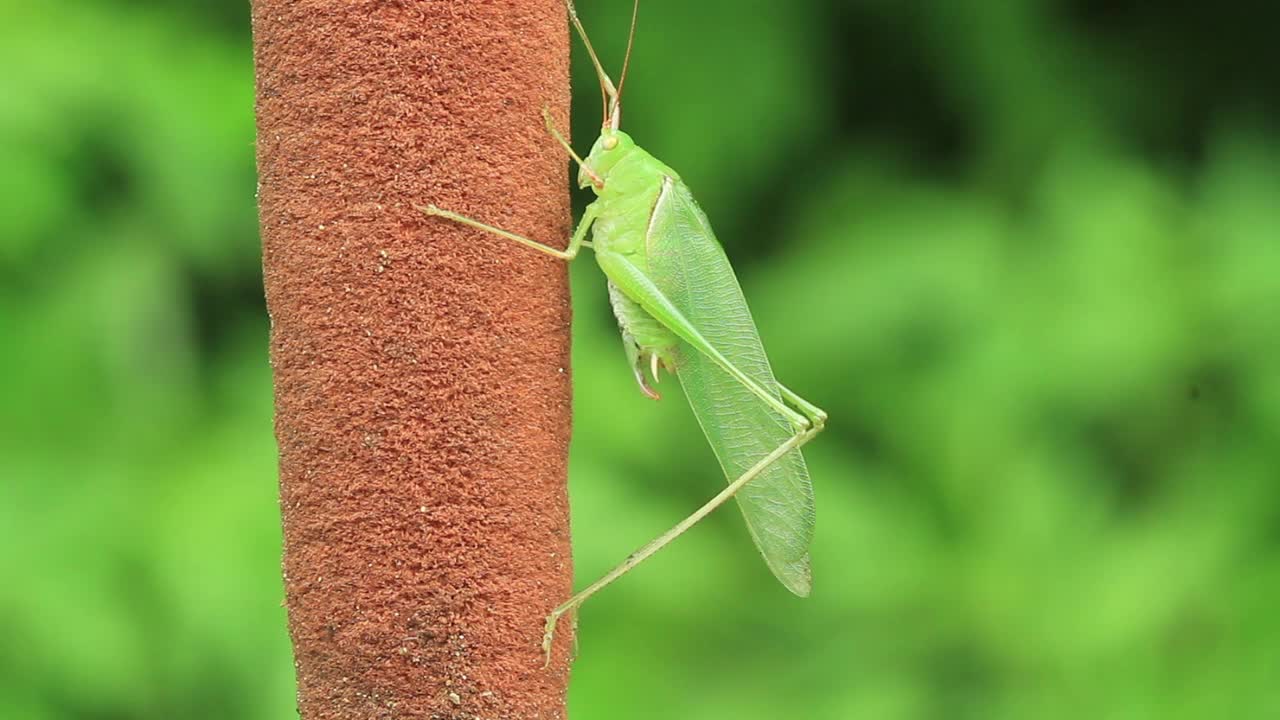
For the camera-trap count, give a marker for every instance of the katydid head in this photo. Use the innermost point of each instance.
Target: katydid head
(610, 147)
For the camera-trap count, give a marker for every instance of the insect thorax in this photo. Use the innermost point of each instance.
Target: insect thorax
(625, 205)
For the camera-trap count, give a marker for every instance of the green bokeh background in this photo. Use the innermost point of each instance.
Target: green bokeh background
(1027, 254)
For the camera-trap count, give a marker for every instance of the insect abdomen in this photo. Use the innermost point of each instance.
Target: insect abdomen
(648, 334)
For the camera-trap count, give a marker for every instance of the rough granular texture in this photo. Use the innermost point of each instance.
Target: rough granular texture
(421, 368)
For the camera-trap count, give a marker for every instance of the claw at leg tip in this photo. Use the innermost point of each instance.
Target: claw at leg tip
(644, 386)
(548, 635)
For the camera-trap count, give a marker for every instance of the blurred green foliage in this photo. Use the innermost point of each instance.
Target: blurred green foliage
(1027, 254)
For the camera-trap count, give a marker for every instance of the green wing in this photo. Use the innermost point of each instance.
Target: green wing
(687, 264)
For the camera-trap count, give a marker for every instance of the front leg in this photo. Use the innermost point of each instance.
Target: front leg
(569, 253)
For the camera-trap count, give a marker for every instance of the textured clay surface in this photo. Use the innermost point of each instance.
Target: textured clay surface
(421, 369)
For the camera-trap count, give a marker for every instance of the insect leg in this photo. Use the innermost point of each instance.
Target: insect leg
(569, 253)
(639, 556)
(816, 415)
(551, 128)
(641, 289)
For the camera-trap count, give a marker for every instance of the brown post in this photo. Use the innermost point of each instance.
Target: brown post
(421, 368)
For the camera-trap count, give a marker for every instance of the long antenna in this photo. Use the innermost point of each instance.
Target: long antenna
(615, 117)
(608, 93)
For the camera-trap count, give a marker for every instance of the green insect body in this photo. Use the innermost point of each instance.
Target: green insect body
(680, 308)
(647, 222)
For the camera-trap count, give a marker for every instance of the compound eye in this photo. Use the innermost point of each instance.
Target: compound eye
(610, 142)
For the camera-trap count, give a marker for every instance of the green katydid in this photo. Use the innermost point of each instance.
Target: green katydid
(680, 308)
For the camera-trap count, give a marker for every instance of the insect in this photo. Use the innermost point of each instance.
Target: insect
(680, 309)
